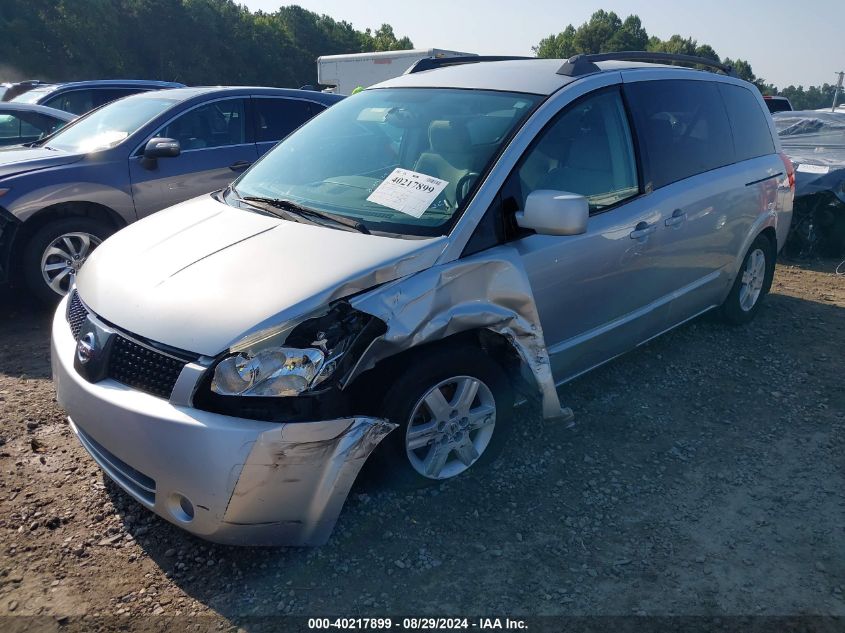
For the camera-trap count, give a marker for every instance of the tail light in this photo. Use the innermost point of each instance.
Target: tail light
(790, 170)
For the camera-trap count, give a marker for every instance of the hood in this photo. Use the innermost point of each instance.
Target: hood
(17, 160)
(201, 275)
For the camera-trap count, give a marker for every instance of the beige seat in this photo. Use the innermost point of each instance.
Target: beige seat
(449, 157)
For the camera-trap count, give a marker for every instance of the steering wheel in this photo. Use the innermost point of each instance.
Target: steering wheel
(464, 185)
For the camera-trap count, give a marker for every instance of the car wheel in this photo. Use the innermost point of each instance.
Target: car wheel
(752, 283)
(56, 252)
(453, 408)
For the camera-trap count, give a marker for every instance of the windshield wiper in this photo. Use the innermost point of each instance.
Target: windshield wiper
(292, 207)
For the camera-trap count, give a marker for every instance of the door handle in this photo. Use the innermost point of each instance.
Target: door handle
(239, 165)
(643, 229)
(678, 216)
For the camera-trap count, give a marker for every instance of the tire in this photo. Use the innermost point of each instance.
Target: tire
(448, 370)
(752, 283)
(37, 259)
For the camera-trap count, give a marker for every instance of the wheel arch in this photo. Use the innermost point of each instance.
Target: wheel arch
(59, 211)
(500, 348)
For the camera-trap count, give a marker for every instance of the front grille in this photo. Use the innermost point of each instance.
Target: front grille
(129, 363)
(134, 481)
(76, 314)
(142, 368)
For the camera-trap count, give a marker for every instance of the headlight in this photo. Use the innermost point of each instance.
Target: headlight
(323, 347)
(279, 371)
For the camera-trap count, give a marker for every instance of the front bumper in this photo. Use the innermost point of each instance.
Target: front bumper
(247, 482)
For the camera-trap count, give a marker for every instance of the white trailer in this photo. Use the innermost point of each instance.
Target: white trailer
(344, 73)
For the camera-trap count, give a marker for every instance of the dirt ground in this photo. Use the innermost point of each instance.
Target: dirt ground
(703, 476)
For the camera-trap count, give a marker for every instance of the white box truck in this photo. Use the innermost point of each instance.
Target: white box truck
(344, 73)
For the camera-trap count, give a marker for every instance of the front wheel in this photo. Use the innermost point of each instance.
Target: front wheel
(453, 408)
(57, 251)
(752, 283)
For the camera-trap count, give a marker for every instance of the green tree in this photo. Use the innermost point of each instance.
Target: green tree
(384, 40)
(193, 41)
(631, 36)
(560, 46)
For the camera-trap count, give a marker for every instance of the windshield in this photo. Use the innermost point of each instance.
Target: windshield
(31, 96)
(111, 124)
(395, 160)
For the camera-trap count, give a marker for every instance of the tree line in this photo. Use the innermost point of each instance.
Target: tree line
(196, 42)
(202, 42)
(606, 32)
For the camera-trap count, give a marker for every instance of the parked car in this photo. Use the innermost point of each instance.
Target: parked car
(80, 97)
(9, 91)
(815, 142)
(392, 275)
(60, 197)
(777, 104)
(25, 123)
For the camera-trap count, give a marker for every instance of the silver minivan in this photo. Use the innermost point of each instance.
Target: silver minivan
(390, 279)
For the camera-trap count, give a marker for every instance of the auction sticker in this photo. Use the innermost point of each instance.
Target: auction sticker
(408, 191)
(813, 169)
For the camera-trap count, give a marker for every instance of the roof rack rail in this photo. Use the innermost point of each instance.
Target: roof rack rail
(430, 63)
(586, 64)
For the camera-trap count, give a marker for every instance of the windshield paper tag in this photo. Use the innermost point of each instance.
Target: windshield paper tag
(814, 169)
(408, 192)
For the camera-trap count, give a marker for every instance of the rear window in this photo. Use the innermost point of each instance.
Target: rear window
(752, 137)
(778, 105)
(682, 127)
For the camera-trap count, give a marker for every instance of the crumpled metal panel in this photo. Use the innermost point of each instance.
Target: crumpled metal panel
(816, 139)
(489, 290)
(297, 476)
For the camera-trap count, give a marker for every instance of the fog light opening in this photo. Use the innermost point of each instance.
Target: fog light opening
(181, 508)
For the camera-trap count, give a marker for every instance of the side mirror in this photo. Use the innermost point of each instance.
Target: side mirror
(162, 148)
(554, 213)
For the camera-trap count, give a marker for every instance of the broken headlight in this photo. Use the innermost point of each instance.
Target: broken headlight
(317, 349)
(278, 371)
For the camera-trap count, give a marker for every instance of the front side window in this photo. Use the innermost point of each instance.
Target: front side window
(26, 126)
(682, 127)
(586, 150)
(399, 161)
(74, 101)
(110, 125)
(10, 128)
(215, 124)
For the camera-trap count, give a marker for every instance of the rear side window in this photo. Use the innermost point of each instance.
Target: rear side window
(682, 128)
(276, 118)
(752, 137)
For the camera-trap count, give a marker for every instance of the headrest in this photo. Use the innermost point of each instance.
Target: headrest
(447, 137)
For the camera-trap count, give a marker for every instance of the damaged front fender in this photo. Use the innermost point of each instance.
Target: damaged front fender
(486, 291)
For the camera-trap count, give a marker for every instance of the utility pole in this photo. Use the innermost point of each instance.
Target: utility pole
(836, 92)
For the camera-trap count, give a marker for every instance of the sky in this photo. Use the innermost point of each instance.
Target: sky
(786, 41)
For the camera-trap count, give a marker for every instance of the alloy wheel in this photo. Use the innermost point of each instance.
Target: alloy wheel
(63, 258)
(450, 427)
(753, 278)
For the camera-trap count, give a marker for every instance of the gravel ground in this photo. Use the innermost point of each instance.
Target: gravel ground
(703, 476)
